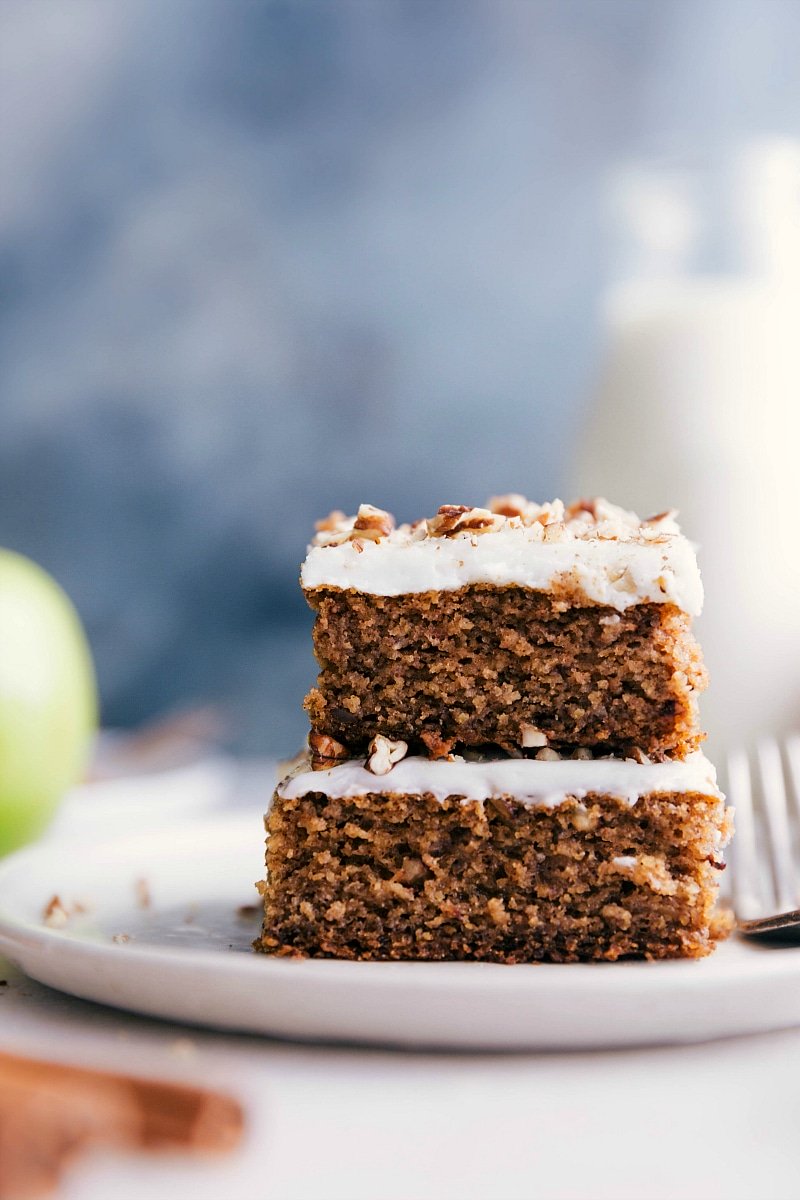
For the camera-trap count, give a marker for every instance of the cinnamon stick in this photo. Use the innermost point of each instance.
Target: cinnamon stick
(50, 1113)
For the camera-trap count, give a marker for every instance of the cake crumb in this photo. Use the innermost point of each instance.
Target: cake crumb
(55, 915)
(497, 911)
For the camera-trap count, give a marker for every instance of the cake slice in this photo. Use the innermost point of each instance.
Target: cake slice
(516, 626)
(506, 860)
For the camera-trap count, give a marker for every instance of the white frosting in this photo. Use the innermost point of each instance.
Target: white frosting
(530, 781)
(611, 571)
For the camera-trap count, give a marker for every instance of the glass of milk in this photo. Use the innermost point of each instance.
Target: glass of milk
(698, 407)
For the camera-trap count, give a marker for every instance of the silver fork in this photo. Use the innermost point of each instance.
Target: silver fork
(765, 853)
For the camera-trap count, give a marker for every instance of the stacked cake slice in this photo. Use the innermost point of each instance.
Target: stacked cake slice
(504, 749)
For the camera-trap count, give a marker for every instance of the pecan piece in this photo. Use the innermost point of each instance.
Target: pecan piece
(446, 519)
(373, 523)
(458, 518)
(583, 506)
(669, 514)
(512, 505)
(325, 751)
(437, 746)
(384, 753)
(332, 523)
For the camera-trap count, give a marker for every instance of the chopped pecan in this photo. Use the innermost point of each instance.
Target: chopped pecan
(669, 514)
(326, 746)
(582, 506)
(384, 753)
(325, 751)
(446, 519)
(437, 746)
(512, 505)
(531, 736)
(333, 523)
(554, 531)
(458, 518)
(373, 523)
(370, 524)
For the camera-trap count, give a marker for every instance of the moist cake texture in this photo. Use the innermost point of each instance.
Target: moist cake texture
(536, 862)
(500, 665)
(515, 626)
(504, 760)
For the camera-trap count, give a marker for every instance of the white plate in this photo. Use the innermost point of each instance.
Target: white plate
(188, 959)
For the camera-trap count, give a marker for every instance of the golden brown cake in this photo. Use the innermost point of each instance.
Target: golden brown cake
(504, 760)
(505, 860)
(516, 626)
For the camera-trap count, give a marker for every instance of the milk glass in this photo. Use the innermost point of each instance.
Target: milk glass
(697, 406)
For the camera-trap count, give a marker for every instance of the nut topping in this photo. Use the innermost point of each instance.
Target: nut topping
(384, 753)
(669, 514)
(370, 524)
(582, 506)
(437, 746)
(589, 519)
(531, 736)
(446, 519)
(512, 505)
(333, 523)
(325, 751)
(518, 508)
(373, 523)
(458, 518)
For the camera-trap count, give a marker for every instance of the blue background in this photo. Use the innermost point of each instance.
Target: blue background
(261, 260)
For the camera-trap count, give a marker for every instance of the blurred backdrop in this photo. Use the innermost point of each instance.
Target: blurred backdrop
(261, 260)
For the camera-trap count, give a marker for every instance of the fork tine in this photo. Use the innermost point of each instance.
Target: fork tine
(744, 850)
(773, 789)
(793, 758)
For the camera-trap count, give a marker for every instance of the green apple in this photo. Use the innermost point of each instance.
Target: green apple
(48, 699)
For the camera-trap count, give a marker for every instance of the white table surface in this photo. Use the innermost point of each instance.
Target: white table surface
(714, 1121)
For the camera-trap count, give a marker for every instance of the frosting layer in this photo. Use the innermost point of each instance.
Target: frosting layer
(619, 573)
(530, 781)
